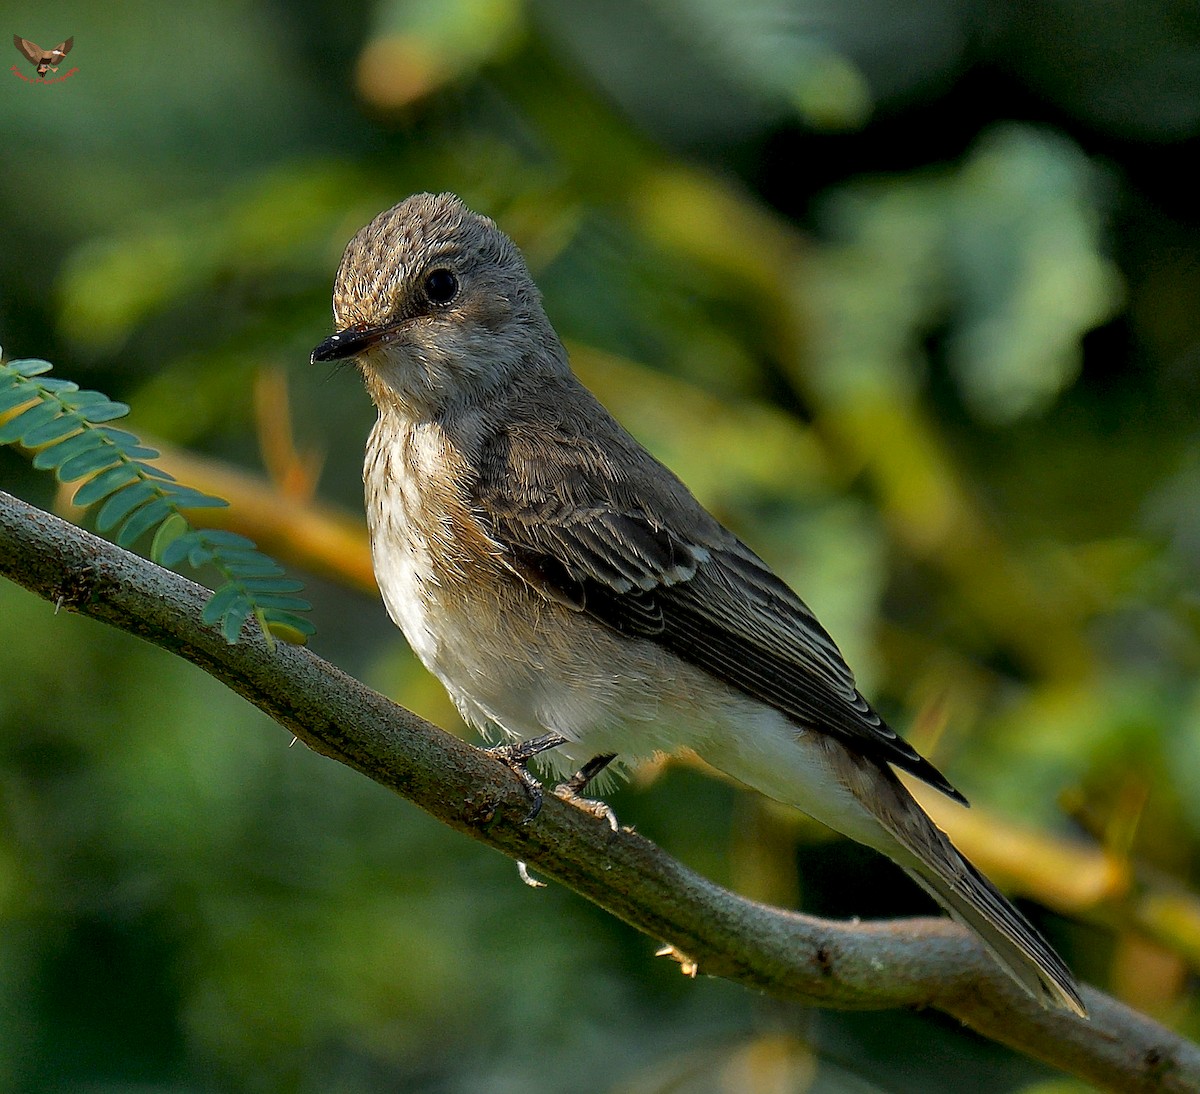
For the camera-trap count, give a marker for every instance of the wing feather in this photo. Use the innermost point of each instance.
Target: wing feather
(30, 49)
(648, 561)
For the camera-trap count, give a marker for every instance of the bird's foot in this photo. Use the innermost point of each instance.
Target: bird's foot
(572, 790)
(516, 758)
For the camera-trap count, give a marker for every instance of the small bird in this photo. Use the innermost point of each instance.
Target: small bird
(570, 592)
(45, 59)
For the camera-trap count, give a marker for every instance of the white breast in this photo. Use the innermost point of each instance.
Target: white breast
(397, 459)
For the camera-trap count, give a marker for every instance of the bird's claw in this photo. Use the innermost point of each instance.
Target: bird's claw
(516, 758)
(572, 790)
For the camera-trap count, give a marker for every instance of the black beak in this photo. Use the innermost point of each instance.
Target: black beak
(348, 342)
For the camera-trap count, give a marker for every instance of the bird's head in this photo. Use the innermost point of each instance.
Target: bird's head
(436, 306)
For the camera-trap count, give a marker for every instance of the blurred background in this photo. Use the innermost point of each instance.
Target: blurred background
(907, 292)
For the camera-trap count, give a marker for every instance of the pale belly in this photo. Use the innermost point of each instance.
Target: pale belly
(523, 666)
(519, 665)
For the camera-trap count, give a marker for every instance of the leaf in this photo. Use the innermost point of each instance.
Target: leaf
(106, 412)
(14, 395)
(92, 406)
(139, 452)
(171, 547)
(252, 567)
(234, 555)
(273, 584)
(170, 532)
(220, 602)
(30, 366)
(143, 520)
(58, 386)
(74, 398)
(184, 497)
(56, 429)
(123, 502)
(225, 539)
(198, 556)
(93, 458)
(292, 629)
(152, 472)
(281, 602)
(128, 442)
(16, 428)
(231, 623)
(105, 483)
(56, 455)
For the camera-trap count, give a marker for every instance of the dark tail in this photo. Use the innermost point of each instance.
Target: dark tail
(1010, 938)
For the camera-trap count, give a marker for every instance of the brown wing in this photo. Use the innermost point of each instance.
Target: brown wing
(65, 47)
(30, 49)
(639, 553)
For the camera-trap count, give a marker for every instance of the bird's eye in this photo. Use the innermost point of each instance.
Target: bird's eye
(441, 286)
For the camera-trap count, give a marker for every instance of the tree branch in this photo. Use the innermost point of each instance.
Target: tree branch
(910, 962)
(1070, 876)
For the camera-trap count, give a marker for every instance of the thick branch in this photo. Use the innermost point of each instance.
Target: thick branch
(912, 962)
(1070, 876)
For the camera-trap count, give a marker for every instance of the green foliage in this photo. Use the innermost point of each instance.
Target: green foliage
(65, 427)
(1004, 250)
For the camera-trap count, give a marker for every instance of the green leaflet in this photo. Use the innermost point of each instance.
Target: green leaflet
(27, 421)
(145, 518)
(169, 532)
(115, 477)
(123, 502)
(66, 429)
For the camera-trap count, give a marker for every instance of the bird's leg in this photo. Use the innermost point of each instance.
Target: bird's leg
(572, 790)
(516, 758)
(578, 782)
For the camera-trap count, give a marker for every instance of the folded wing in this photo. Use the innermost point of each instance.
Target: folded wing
(653, 564)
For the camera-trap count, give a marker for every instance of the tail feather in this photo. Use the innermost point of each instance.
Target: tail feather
(1009, 937)
(926, 854)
